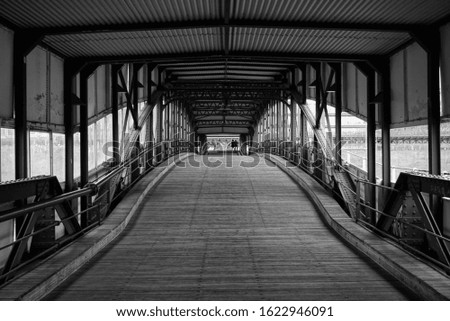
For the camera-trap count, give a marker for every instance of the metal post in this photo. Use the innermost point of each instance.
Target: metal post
(135, 105)
(68, 126)
(150, 135)
(115, 112)
(371, 144)
(318, 98)
(277, 113)
(386, 123)
(434, 124)
(338, 117)
(294, 110)
(159, 124)
(23, 44)
(358, 201)
(84, 143)
(430, 40)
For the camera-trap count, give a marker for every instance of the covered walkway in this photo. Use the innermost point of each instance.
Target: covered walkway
(228, 233)
(100, 100)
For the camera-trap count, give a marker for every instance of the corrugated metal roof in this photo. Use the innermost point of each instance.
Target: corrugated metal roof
(206, 33)
(138, 43)
(350, 11)
(58, 13)
(315, 41)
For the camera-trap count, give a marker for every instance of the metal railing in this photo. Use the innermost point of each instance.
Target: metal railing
(101, 195)
(322, 168)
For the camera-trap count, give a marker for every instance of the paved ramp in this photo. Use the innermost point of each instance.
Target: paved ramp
(228, 233)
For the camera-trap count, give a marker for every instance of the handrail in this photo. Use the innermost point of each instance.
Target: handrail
(359, 204)
(15, 213)
(101, 198)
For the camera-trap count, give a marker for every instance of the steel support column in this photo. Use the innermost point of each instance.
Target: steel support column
(23, 45)
(337, 67)
(317, 147)
(277, 112)
(371, 145)
(434, 119)
(84, 138)
(302, 125)
(383, 68)
(115, 112)
(71, 68)
(134, 93)
(294, 125)
(150, 135)
(430, 40)
(370, 198)
(84, 143)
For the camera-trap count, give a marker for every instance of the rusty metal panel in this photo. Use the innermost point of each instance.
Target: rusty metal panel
(445, 69)
(56, 90)
(6, 74)
(100, 88)
(37, 85)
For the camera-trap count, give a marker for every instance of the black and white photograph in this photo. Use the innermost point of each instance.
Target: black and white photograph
(242, 159)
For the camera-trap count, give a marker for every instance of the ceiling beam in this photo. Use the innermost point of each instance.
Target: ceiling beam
(246, 55)
(206, 72)
(222, 61)
(226, 23)
(219, 126)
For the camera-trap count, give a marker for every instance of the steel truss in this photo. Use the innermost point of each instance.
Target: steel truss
(236, 123)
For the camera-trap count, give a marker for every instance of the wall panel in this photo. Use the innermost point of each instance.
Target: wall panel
(56, 90)
(92, 95)
(37, 85)
(101, 88)
(417, 93)
(6, 74)
(361, 93)
(397, 88)
(445, 69)
(409, 87)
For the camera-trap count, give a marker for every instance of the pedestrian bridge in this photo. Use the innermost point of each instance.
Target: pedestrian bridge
(224, 149)
(229, 227)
